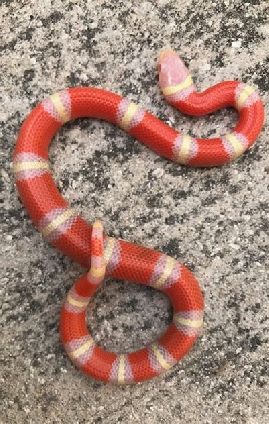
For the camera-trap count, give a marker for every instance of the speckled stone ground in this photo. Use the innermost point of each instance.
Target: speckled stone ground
(213, 220)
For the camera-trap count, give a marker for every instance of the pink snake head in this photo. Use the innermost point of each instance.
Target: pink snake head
(172, 70)
(174, 77)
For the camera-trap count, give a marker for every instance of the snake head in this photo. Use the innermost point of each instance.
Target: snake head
(172, 70)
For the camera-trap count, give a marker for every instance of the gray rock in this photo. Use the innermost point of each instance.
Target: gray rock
(213, 220)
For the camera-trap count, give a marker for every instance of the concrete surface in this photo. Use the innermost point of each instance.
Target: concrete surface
(213, 220)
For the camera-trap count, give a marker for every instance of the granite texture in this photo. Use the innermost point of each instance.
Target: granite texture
(213, 220)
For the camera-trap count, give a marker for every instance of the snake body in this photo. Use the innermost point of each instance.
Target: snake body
(106, 255)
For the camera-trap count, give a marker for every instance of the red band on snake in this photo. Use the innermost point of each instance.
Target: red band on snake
(108, 256)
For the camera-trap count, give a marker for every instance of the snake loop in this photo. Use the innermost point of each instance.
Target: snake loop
(127, 368)
(108, 256)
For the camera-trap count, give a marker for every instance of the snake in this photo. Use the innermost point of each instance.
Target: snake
(104, 255)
